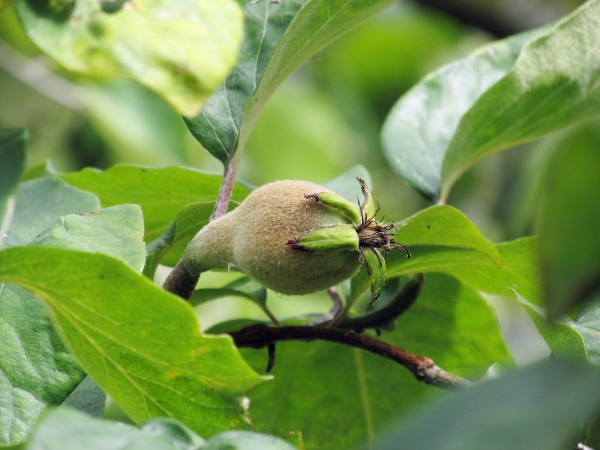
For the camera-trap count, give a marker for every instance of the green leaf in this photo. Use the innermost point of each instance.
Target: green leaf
(139, 343)
(70, 430)
(88, 397)
(12, 164)
(117, 231)
(420, 127)
(181, 50)
(577, 339)
(40, 202)
(160, 192)
(554, 82)
(66, 429)
(569, 240)
(447, 227)
(519, 268)
(246, 440)
(541, 406)
(36, 369)
(279, 37)
(358, 393)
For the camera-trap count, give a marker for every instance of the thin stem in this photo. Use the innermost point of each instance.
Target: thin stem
(423, 368)
(181, 281)
(226, 187)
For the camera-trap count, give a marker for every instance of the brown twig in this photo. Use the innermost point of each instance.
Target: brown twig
(423, 368)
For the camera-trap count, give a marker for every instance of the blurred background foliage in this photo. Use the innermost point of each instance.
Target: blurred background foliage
(323, 120)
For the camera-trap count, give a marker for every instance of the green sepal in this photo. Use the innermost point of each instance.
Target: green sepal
(327, 239)
(350, 210)
(368, 207)
(375, 265)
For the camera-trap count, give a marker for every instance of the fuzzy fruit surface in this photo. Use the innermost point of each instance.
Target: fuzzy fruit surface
(252, 239)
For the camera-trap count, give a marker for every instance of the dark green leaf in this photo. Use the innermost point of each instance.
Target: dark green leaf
(181, 50)
(339, 396)
(36, 370)
(139, 343)
(12, 164)
(161, 192)
(568, 223)
(420, 127)
(540, 407)
(279, 36)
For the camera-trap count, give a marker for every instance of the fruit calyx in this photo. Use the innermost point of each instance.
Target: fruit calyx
(365, 234)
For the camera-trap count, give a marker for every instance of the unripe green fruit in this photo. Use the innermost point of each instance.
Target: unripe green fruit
(253, 238)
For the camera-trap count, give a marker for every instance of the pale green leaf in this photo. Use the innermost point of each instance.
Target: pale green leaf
(69, 430)
(139, 343)
(117, 231)
(279, 37)
(40, 203)
(181, 50)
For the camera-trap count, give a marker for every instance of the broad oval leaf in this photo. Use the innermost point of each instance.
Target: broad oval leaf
(117, 231)
(40, 202)
(181, 50)
(554, 82)
(447, 227)
(37, 370)
(279, 36)
(506, 93)
(139, 343)
(519, 270)
(161, 192)
(418, 130)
